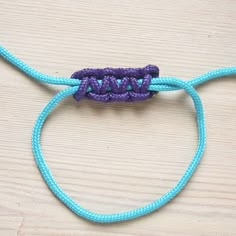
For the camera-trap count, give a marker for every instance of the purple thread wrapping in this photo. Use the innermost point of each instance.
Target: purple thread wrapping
(109, 89)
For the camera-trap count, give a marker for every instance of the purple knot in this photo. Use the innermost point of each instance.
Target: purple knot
(105, 87)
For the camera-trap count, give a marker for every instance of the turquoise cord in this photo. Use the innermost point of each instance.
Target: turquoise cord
(105, 218)
(227, 71)
(157, 84)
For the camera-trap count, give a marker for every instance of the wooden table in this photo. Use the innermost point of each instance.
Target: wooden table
(116, 157)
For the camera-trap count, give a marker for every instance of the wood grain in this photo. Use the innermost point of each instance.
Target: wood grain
(117, 157)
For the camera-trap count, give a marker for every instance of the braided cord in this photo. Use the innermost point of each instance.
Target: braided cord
(157, 84)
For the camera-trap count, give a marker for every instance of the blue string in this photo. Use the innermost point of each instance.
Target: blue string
(157, 84)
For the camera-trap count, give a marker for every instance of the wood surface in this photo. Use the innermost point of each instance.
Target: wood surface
(116, 157)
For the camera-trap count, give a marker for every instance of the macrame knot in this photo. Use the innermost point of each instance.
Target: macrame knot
(115, 84)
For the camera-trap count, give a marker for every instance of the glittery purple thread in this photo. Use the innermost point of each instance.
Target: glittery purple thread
(109, 89)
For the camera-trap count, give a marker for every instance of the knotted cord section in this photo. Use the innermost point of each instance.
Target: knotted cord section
(115, 84)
